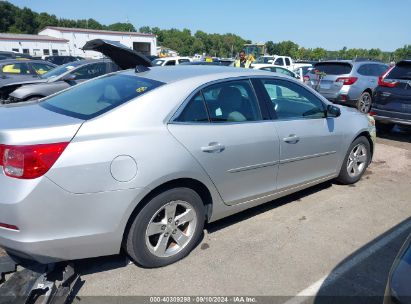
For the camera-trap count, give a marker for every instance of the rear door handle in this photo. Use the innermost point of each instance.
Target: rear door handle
(291, 139)
(213, 147)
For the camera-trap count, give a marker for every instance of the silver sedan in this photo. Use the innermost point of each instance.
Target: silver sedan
(140, 160)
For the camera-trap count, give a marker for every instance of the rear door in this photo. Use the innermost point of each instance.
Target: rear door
(309, 142)
(394, 93)
(223, 128)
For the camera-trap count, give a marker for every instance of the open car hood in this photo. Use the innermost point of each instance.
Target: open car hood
(124, 57)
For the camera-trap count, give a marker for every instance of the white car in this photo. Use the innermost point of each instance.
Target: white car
(275, 69)
(171, 61)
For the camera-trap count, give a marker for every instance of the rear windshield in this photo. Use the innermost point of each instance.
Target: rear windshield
(98, 96)
(401, 71)
(333, 68)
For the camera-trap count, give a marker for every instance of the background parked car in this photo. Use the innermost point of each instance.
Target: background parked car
(59, 60)
(13, 55)
(347, 82)
(398, 290)
(392, 97)
(275, 69)
(58, 79)
(22, 70)
(171, 61)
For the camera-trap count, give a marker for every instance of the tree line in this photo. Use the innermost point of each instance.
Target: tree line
(24, 20)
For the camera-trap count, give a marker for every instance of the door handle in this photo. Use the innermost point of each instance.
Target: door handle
(291, 139)
(213, 147)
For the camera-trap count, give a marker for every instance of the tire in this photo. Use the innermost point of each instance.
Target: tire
(384, 127)
(353, 169)
(364, 102)
(166, 241)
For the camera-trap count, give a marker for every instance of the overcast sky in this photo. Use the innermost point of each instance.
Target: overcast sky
(331, 24)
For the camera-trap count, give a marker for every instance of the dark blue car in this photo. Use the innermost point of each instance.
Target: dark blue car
(392, 97)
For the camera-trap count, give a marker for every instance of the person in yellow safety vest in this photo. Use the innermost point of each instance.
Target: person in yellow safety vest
(243, 62)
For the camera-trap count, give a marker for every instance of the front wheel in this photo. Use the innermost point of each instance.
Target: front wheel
(167, 228)
(364, 102)
(355, 162)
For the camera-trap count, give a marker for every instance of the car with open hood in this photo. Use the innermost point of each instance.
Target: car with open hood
(72, 73)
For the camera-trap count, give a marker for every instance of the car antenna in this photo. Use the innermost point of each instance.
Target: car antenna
(141, 68)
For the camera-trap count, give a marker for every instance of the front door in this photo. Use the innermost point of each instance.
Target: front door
(222, 128)
(308, 140)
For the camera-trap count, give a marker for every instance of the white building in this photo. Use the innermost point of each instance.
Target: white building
(35, 45)
(77, 37)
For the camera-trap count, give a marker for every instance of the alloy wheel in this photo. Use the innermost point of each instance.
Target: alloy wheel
(364, 103)
(357, 160)
(171, 228)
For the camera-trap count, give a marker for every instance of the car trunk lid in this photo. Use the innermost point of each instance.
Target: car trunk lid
(32, 124)
(324, 76)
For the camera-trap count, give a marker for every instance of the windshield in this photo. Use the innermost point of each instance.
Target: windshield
(158, 62)
(61, 69)
(98, 96)
(264, 60)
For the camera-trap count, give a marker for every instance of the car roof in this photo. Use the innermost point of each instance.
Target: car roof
(267, 65)
(169, 74)
(9, 61)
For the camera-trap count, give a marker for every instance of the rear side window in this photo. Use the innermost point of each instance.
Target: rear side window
(96, 97)
(333, 68)
(16, 68)
(232, 101)
(401, 71)
(195, 111)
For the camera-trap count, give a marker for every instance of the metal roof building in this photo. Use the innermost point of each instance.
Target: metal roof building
(77, 37)
(35, 45)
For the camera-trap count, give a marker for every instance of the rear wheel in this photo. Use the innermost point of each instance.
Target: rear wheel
(355, 162)
(364, 102)
(384, 127)
(167, 228)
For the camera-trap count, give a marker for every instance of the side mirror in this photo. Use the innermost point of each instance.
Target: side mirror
(68, 77)
(333, 111)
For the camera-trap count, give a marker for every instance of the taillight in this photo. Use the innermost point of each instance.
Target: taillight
(389, 83)
(8, 226)
(28, 162)
(372, 113)
(347, 80)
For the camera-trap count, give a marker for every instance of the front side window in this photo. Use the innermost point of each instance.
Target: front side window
(292, 101)
(98, 96)
(16, 68)
(41, 68)
(232, 101)
(279, 61)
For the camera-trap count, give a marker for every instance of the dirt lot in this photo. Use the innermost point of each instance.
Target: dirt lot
(327, 240)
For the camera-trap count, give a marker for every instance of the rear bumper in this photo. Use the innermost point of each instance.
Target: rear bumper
(392, 117)
(56, 225)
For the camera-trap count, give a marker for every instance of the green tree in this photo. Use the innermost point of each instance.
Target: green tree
(121, 27)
